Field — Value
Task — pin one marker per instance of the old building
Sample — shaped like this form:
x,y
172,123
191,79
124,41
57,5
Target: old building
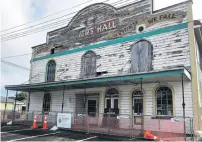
x,y
129,60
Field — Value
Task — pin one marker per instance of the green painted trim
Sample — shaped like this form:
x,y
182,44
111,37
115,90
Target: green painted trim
x,y
116,41
98,80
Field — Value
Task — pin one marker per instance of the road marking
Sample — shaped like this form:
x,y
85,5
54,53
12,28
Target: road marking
x,y
16,130
86,139
33,136
9,126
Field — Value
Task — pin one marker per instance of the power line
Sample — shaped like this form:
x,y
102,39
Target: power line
x,y
44,22
15,65
46,28
62,22
57,13
16,56
8,71
46,16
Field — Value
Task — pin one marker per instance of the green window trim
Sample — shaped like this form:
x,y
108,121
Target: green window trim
x,y
116,41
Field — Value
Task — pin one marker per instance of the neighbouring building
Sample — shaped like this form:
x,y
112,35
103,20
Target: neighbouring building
x,y
9,104
7,108
128,60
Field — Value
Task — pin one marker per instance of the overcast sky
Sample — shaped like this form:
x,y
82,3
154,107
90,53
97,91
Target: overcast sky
x,y
18,12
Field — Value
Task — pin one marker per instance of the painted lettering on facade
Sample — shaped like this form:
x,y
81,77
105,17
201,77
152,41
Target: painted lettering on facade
x,y
108,25
101,22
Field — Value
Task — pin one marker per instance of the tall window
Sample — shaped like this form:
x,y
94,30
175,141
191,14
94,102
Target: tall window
x,y
88,68
141,56
46,102
112,101
164,101
51,68
137,102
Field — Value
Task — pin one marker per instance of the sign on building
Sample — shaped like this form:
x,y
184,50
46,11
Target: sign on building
x,y
176,120
64,120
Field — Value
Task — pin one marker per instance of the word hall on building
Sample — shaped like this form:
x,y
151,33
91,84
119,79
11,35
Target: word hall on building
x,y
130,63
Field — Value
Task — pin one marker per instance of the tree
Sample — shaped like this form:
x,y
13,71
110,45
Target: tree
x,y
20,96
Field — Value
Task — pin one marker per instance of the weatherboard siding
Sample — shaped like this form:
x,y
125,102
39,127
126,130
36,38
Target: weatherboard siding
x,y
170,49
125,98
36,101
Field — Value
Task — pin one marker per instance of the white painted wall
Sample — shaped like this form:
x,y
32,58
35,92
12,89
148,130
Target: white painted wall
x,y
69,99
114,57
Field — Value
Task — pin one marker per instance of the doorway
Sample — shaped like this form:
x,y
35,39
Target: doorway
x,y
137,103
92,106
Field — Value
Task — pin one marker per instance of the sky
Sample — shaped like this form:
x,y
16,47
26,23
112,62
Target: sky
x,y
18,12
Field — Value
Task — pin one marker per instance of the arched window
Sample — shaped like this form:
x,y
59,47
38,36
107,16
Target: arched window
x,y
137,100
141,56
112,101
88,68
46,102
51,68
164,101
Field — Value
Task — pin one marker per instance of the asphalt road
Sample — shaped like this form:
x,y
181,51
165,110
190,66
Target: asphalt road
x,y
24,133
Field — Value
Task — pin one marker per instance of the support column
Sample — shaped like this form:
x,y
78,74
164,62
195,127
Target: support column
x,y
142,117
183,106
63,94
28,103
110,85
15,106
5,105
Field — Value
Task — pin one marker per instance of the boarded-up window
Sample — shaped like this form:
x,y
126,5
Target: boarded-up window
x,y
88,68
51,67
141,56
46,102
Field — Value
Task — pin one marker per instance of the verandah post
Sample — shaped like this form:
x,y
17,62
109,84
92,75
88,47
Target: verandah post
x,y
63,98
183,106
142,117
14,106
28,103
5,106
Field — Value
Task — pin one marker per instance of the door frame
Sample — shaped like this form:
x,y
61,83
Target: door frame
x,y
93,97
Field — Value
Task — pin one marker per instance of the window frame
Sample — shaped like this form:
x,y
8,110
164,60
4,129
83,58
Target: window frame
x,y
112,101
47,71
172,100
141,98
112,97
84,64
45,102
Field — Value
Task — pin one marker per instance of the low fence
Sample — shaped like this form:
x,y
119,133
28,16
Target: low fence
x,y
167,129
7,116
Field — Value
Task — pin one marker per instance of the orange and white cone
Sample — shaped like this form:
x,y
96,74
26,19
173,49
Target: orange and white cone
x,y
34,123
149,136
45,125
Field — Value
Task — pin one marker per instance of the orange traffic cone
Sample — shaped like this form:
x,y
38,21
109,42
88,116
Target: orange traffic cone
x,y
45,125
34,123
149,136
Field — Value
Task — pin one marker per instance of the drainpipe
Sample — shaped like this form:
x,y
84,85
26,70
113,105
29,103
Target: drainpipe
x,y
5,106
183,106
